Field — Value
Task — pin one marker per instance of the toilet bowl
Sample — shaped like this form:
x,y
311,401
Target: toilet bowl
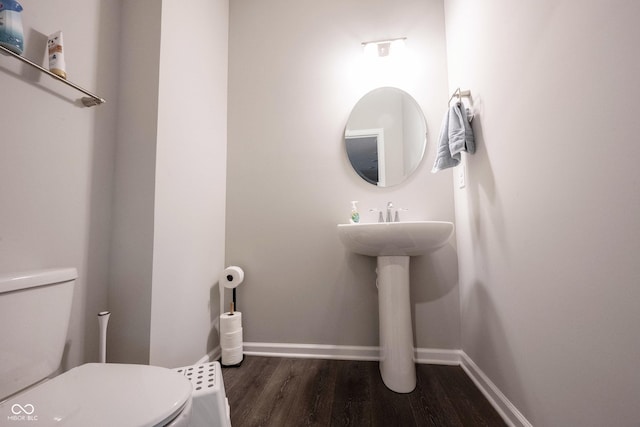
x,y
34,316
97,394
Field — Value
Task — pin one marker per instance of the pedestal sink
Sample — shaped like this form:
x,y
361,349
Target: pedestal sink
x,y
393,243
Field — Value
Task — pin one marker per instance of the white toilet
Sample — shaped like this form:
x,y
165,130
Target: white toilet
x,y
34,316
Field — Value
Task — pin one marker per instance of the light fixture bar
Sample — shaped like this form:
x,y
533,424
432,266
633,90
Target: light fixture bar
x,y
381,48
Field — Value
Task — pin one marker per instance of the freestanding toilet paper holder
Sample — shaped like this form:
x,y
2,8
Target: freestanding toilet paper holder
x,y
231,338
231,322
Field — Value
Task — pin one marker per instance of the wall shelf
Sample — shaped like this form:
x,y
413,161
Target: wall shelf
x,y
88,101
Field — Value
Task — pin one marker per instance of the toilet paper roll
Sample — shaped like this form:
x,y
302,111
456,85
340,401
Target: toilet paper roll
x,y
230,340
230,322
232,277
232,356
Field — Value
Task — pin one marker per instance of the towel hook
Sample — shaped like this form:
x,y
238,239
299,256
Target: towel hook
x,y
460,94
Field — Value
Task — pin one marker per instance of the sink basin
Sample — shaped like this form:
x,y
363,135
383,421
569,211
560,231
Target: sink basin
x,y
410,238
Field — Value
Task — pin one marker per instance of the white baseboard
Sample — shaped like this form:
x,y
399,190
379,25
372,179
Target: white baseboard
x,y
437,356
507,410
311,351
346,352
511,415
212,356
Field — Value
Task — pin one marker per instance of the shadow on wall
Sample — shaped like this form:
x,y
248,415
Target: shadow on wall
x,y
102,161
356,290
487,335
213,340
434,275
481,185
35,50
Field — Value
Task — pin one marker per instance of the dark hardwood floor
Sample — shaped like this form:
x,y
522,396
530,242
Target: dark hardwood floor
x,y
283,392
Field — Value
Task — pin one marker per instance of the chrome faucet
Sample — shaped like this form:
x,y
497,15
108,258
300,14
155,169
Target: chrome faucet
x,y
390,217
397,216
380,217
389,207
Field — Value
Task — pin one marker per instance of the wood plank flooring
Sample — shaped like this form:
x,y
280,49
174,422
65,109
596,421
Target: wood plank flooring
x,y
284,392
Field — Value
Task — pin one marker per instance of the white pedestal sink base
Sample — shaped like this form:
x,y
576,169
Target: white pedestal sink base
x,y
397,365
393,243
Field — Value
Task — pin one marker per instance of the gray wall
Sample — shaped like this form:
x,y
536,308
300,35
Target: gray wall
x,y
131,263
144,173
56,158
169,204
547,227
548,232
295,71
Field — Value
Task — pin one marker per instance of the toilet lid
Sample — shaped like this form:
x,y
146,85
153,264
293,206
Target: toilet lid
x,y
98,395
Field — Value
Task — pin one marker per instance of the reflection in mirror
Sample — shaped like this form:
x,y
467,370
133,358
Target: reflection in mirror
x,y
385,136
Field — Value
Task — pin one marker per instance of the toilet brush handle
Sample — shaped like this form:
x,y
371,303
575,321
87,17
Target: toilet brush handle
x,y
103,320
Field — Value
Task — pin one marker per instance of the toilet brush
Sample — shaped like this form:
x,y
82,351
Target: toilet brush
x,y
103,320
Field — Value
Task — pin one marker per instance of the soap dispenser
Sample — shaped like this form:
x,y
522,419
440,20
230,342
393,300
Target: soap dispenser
x,y
11,32
355,215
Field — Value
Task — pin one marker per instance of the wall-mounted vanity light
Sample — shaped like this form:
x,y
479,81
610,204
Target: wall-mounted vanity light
x,y
383,48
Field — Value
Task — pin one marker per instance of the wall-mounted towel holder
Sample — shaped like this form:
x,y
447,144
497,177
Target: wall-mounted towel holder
x,y
88,101
461,94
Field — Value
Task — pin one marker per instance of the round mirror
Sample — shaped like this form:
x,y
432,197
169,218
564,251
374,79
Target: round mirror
x,y
386,136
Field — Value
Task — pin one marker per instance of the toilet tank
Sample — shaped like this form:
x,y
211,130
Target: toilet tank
x,y
35,307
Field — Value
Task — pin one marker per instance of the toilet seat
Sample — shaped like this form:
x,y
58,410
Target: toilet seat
x,y
108,395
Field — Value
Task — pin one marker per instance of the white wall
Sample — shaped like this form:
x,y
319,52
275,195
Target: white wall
x,y
295,72
56,157
188,255
168,238
548,235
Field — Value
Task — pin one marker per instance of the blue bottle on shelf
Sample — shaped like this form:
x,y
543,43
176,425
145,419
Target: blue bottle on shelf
x,y
11,32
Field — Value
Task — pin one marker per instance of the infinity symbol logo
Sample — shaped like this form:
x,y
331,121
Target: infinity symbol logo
x,y
17,409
